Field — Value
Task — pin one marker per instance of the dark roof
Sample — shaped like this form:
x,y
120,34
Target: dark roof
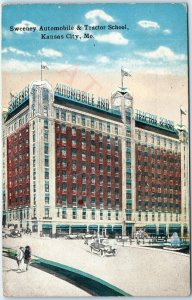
x,y
163,131
17,110
88,109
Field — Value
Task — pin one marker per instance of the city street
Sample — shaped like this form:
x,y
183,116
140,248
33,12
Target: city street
x,y
135,270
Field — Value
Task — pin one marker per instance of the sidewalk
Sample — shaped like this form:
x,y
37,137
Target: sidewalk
x,y
137,270
35,283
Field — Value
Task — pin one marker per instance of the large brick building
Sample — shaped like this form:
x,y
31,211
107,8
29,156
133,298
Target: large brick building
x,y
73,163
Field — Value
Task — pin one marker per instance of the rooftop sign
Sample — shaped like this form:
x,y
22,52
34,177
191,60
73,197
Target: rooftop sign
x,y
154,120
19,99
82,97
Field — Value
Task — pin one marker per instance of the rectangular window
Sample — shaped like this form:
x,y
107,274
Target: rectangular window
x,y
73,118
93,214
46,124
83,120
63,115
46,186
46,162
46,198
108,127
74,213
92,123
46,149
84,213
74,200
46,212
46,174
57,113
64,213
46,136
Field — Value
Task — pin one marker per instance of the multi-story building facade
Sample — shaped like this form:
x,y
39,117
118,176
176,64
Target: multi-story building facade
x,y
74,163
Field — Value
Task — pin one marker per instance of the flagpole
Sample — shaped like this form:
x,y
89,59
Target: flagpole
x,y
181,116
121,78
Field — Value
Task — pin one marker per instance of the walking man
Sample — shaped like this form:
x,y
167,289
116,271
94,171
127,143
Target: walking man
x,y
27,256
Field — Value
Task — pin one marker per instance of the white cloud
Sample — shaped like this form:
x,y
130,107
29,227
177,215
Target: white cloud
x,y
163,53
167,31
102,59
47,52
16,65
16,51
112,38
148,24
97,14
23,24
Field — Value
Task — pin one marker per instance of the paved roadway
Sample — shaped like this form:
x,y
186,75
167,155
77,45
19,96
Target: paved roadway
x,y
137,271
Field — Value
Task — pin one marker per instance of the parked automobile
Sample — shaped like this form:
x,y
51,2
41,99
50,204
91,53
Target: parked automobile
x,y
6,233
15,233
104,246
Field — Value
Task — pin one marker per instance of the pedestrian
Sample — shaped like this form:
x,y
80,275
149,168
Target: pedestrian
x,y
20,258
27,256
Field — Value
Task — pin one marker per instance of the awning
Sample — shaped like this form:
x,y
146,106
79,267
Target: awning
x,y
93,227
78,226
62,226
174,225
162,225
47,226
117,226
150,226
128,225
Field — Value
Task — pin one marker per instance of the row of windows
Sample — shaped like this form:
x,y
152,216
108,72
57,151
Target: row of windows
x,y
18,123
160,217
63,213
63,199
159,141
86,121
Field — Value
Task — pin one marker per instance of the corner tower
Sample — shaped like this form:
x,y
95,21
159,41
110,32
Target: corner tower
x,y
122,101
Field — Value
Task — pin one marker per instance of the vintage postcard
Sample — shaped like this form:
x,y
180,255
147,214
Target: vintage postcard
x,y
95,142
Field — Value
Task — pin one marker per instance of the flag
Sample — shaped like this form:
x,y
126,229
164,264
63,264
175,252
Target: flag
x,y
44,66
124,72
183,111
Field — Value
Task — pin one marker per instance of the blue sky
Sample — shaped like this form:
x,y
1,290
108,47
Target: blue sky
x,y
155,42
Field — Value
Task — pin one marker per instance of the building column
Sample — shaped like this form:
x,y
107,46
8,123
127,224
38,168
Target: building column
x,y
182,230
167,229
39,226
53,229
157,229
133,231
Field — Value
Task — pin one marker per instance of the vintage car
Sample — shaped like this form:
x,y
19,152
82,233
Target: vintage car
x,y
104,246
15,233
